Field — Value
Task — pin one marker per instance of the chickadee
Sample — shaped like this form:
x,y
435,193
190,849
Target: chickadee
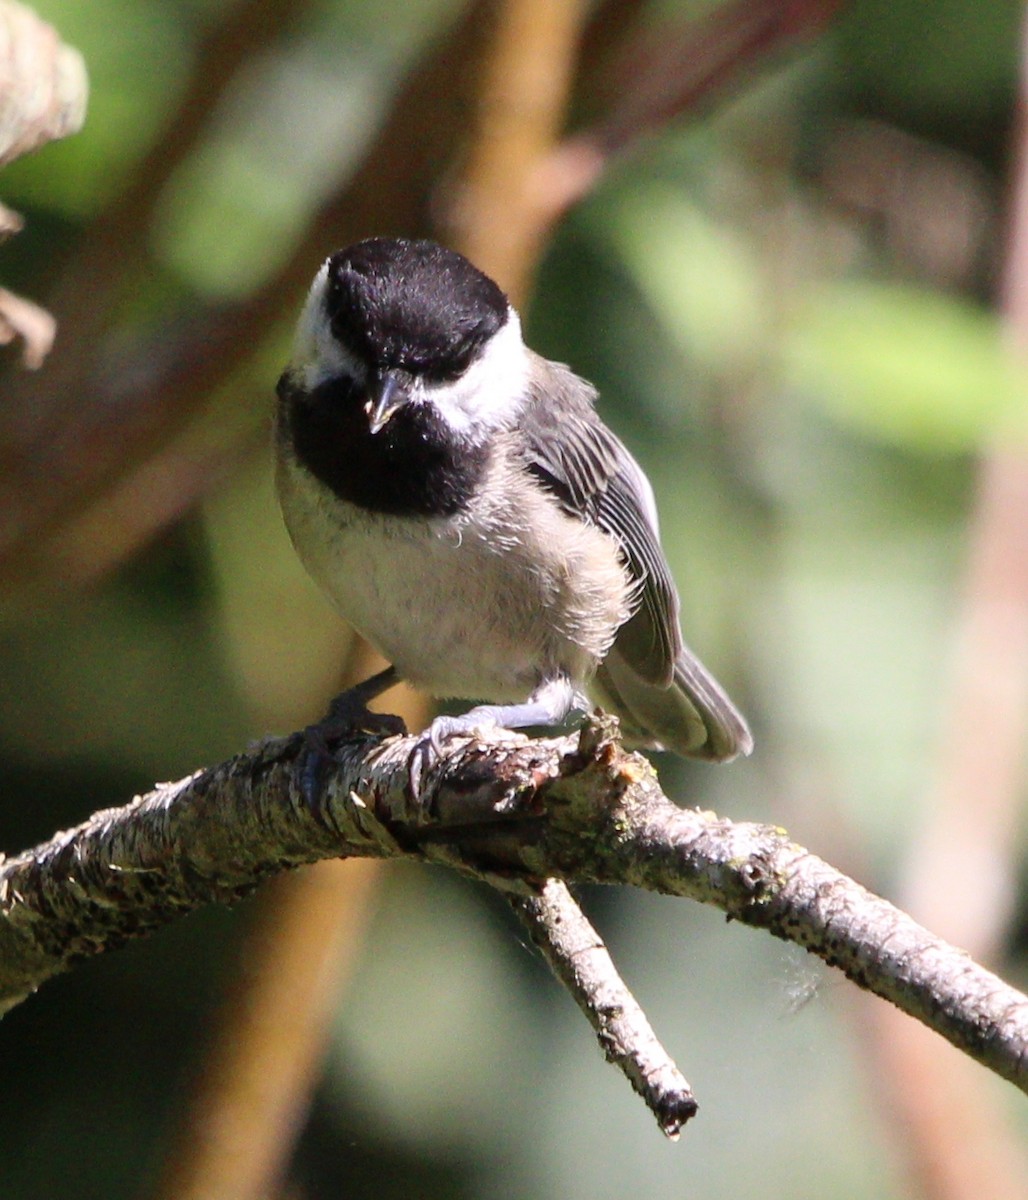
x,y
467,511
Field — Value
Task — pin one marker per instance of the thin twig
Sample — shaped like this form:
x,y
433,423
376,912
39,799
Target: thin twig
x,y
493,219
582,963
666,72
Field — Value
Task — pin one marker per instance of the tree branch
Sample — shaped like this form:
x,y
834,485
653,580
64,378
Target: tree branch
x,y
501,808
582,963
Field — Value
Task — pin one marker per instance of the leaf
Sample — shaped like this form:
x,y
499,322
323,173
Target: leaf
x,y
908,366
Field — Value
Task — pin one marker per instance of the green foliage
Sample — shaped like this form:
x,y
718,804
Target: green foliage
x,y
136,52
695,270
926,371
948,63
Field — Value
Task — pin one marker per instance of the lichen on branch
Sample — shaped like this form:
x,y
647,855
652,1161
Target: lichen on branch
x,y
514,812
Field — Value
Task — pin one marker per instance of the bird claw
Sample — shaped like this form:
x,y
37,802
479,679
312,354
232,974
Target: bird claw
x,y
429,747
347,717
422,758
317,760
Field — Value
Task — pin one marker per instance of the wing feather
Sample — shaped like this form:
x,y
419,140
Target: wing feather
x,y
595,479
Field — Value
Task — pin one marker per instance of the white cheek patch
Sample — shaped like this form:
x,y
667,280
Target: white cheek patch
x,y
491,391
317,354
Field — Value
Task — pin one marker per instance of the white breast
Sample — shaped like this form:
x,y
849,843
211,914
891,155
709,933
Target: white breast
x,y
480,608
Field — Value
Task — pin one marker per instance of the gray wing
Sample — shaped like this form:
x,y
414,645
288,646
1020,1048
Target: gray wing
x,y
594,478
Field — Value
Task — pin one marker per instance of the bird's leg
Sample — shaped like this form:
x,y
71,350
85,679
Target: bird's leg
x,y
549,704
347,715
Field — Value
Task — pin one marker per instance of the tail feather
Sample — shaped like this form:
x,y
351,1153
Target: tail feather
x,y
693,716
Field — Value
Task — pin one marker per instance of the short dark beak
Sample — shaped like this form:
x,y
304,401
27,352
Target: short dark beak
x,y
387,391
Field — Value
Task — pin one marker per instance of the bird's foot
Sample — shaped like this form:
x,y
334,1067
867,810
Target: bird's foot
x,y
549,704
429,747
348,717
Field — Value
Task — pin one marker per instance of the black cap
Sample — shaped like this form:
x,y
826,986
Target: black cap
x,y
414,305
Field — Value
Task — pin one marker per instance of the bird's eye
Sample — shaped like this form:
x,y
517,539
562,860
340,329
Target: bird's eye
x,y
446,366
442,374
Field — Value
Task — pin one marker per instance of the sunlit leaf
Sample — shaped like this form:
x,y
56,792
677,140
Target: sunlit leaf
x,y
697,274
908,366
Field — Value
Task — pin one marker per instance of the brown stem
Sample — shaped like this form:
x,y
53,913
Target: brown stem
x,y
254,1089
526,82
670,71
582,963
251,1098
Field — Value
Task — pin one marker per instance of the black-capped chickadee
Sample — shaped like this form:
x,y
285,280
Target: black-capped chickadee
x,y
467,511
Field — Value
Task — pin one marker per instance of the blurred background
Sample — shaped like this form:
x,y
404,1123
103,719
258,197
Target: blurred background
x,y
777,238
